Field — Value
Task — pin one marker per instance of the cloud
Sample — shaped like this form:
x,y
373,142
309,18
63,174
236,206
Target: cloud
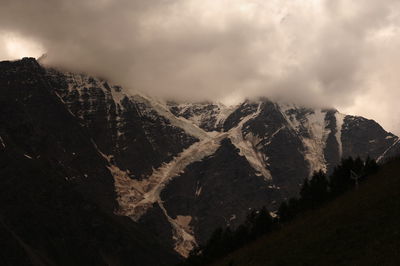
x,y
322,52
14,46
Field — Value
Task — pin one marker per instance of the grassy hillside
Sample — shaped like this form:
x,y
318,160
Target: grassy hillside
x,y
362,227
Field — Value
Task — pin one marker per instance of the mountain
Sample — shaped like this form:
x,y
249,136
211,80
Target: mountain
x,y
358,228
57,196
391,152
177,170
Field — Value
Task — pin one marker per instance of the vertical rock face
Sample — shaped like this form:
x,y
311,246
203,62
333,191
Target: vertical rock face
x,y
37,122
177,170
219,190
208,116
365,137
130,130
279,144
273,135
391,152
57,196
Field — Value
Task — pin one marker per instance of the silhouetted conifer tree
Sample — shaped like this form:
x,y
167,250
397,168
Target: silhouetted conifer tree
x,y
261,224
313,193
319,191
370,167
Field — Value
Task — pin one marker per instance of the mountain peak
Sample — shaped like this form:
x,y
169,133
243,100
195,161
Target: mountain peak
x,y
176,169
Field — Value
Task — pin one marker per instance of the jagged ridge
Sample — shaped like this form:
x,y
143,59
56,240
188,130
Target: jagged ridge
x,y
160,154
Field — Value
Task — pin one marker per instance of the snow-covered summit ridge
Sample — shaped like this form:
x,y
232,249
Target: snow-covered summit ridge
x,y
207,115
82,83
201,120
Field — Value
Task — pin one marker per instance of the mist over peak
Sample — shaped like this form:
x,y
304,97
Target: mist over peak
x,y
330,53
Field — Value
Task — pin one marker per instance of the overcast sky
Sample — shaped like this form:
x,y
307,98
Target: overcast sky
x,y
339,53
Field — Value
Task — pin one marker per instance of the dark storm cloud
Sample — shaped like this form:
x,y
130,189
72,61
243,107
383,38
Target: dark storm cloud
x,y
337,53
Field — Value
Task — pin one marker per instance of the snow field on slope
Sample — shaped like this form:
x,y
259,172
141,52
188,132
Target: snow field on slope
x,y
136,197
179,122
339,126
388,149
317,134
163,175
247,145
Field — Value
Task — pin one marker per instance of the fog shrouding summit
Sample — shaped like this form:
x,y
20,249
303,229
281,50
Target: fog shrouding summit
x,y
332,53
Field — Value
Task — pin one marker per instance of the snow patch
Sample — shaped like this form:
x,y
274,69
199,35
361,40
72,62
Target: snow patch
x,y
339,127
2,143
182,233
179,122
162,176
276,132
224,113
248,145
66,106
209,115
290,118
136,197
27,156
312,131
198,189
81,83
117,94
387,150
127,188
184,221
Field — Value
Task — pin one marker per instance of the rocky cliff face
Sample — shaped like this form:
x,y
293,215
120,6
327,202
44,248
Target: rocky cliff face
x,y
280,144
128,130
177,170
57,195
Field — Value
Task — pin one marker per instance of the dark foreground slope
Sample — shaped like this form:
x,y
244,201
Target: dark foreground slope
x,y
359,228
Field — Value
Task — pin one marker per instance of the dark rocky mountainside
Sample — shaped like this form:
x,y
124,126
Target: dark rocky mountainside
x,y
91,152
57,196
360,227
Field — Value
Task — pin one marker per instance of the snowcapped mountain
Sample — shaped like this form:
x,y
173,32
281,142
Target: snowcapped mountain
x,y
179,170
